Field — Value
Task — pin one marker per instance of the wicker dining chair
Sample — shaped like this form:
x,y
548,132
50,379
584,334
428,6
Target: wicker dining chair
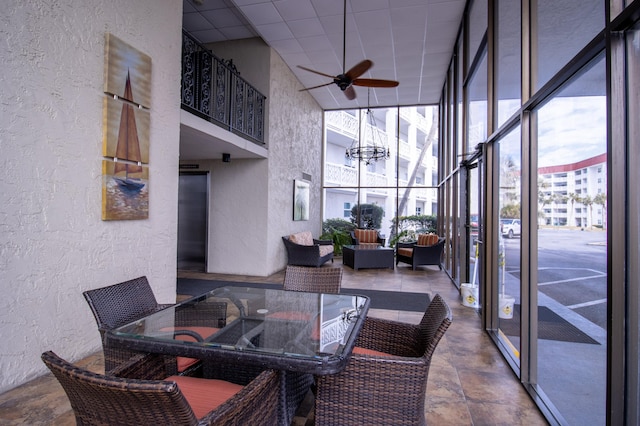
x,y
122,303
142,394
385,381
315,280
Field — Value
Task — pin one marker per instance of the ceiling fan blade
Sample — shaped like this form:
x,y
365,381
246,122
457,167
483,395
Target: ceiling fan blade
x,y
359,69
316,72
372,82
314,87
350,93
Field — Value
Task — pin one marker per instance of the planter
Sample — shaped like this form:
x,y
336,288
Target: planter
x,y
506,303
469,294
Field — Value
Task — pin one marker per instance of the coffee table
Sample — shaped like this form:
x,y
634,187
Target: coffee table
x,y
367,256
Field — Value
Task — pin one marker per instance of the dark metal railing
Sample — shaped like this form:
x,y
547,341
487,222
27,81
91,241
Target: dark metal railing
x,y
214,90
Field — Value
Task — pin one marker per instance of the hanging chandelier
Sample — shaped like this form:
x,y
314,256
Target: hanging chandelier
x,y
370,146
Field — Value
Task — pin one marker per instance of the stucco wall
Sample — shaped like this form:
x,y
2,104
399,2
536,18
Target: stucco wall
x,y
53,243
295,147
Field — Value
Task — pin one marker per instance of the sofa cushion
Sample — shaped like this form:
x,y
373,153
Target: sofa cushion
x,y
366,235
404,251
303,238
427,239
325,249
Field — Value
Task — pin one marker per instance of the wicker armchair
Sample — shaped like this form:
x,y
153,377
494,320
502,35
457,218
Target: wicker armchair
x,y
140,396
415,254
316,280
385,380
121,303
309,252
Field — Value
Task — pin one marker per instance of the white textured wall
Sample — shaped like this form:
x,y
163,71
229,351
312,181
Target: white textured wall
x,y
53,243
295,147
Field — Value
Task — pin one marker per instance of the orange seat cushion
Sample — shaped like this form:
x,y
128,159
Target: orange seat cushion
x,y
182,362
363,351
404,251
205,395
291,315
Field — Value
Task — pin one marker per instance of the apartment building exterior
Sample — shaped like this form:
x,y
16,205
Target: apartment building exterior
x,y
409,172
574,194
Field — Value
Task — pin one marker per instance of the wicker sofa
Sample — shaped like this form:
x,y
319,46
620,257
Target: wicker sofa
x,y
304,250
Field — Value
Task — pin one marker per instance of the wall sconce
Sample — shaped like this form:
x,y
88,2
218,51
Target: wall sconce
x,y
226,158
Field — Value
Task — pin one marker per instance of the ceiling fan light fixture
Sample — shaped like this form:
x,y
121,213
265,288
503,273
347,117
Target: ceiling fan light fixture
x,y
371,146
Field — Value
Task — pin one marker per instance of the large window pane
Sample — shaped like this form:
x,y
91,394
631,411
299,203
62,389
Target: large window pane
x,y
477,26
361,193
509,232
563,29
477,105
509,53
572,248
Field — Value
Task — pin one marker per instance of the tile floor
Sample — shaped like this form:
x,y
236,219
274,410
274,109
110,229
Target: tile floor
x,y
469,381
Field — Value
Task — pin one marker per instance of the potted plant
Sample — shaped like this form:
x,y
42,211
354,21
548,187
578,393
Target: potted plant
x,y
337,230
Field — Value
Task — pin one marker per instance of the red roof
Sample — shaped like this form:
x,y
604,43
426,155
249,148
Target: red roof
x,y
598,159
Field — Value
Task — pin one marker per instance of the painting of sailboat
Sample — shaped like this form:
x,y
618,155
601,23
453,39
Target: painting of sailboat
x,y
121,59
126,124
125,191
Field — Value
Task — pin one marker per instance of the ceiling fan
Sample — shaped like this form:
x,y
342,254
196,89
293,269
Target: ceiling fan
x,y
348,79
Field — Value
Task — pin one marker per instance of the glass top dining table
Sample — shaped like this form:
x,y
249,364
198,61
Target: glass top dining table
x,y
286,330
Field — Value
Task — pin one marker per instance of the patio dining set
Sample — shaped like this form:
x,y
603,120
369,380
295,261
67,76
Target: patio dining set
x,y
246,355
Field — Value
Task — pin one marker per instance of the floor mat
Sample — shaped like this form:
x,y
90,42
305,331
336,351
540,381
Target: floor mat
x,y
551,326
398,301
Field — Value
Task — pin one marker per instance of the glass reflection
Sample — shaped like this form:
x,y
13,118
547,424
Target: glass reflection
x,y
509,247
572,248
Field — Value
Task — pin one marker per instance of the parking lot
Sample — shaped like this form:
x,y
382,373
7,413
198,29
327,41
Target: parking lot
x,y
572,267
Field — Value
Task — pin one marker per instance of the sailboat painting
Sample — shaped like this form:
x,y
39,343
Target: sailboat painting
x,y
126,131
126,124
125,191
124,63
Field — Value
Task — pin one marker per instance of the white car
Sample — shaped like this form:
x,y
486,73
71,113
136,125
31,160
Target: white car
x,y
509,228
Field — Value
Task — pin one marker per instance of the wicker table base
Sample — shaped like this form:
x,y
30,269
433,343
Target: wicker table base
x,y
358,257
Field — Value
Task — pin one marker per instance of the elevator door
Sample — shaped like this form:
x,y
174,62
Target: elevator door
x,y
192,221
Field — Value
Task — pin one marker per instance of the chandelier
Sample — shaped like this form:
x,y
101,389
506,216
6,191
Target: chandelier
x,y
370,146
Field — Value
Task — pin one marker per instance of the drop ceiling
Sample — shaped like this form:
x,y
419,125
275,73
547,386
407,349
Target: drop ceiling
x,y
410,41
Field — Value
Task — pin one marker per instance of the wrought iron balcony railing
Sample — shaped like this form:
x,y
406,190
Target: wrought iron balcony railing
x,y
214,90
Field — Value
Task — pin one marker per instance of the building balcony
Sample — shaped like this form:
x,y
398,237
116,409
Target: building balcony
x,y
212,89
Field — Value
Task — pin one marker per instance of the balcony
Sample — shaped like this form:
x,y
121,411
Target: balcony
x,y
213,90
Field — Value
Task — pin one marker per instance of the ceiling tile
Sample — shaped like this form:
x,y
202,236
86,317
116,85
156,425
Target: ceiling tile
x,y
408,40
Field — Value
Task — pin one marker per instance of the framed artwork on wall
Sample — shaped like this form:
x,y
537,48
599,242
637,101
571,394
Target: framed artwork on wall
x,y
300,200
126,66
126,131
125,191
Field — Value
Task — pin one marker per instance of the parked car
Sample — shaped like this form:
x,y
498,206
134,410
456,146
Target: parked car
x,y
474,225
509,228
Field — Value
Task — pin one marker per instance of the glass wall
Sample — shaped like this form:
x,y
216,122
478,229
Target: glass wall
x,y
371,193
558,158
508,235
572,247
